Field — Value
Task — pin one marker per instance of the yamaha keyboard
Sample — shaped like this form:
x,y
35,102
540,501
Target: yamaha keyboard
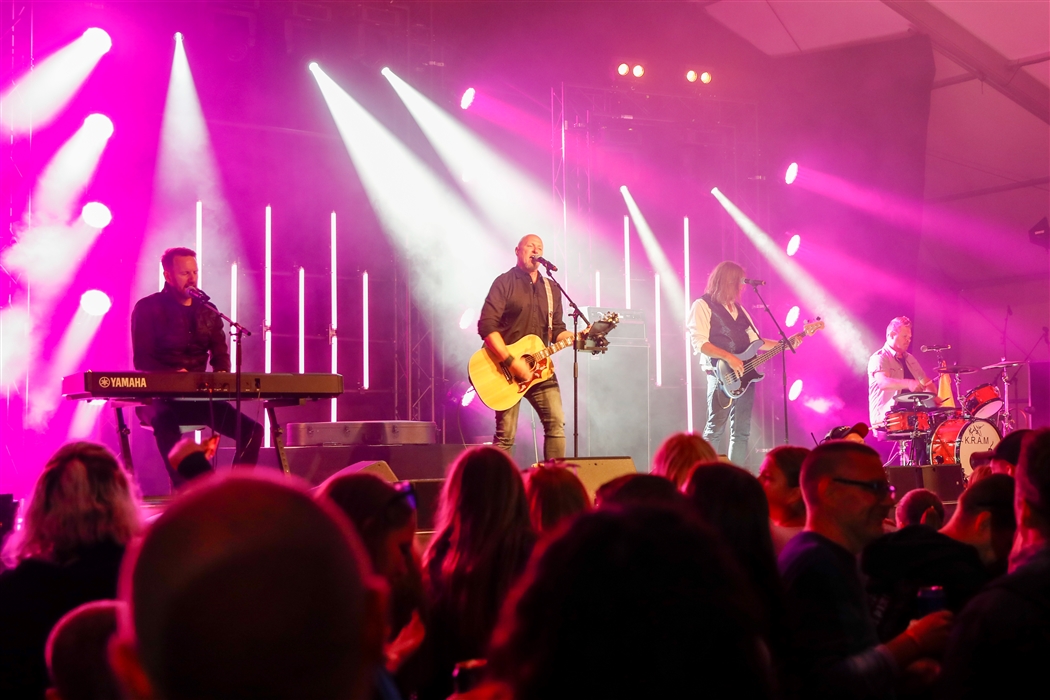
x,y
202,386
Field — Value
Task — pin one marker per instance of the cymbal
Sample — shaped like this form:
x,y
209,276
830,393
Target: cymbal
x,y
1006,363
916,398
958,369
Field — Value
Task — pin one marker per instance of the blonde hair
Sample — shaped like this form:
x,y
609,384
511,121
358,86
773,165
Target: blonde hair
x,y
83,497
724,282
676,456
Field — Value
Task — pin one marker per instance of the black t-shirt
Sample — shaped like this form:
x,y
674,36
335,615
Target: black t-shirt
x,y
167,335
516,307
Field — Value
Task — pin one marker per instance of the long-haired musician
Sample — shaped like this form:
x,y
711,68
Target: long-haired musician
x,y
719,327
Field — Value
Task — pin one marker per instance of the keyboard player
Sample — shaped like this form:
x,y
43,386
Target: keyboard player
x,y
173,332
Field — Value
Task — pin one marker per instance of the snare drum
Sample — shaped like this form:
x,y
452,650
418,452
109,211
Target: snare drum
x,y
983,401
955,440
900,422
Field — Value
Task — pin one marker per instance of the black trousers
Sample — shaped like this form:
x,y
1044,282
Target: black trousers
x,y
220,416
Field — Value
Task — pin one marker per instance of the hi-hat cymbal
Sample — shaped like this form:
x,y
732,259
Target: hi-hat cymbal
x,y
1005,364
958,369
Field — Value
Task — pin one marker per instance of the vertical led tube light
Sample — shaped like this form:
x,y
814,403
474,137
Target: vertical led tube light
x,y
364,328
688,342
233,312
659,359
332,333
627,261
302,320
598,288
200,244
267,311
160,276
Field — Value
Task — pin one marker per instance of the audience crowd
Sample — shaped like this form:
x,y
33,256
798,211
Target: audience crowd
x,y
698,579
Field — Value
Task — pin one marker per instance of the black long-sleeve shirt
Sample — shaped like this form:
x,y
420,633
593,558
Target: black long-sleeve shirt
x,y
516,307
166,335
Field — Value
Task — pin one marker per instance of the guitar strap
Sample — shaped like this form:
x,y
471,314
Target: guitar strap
x,y
550,309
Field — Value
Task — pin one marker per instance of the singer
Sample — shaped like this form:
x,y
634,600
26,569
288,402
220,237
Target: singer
x,y
719,326
520,302
171,331
892,370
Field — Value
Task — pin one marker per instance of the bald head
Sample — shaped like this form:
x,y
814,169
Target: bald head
x,y
529,245
248,588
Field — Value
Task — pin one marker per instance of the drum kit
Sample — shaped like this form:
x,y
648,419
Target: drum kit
x,y
945,430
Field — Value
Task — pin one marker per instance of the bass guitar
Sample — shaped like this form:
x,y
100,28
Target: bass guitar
x,y
734,385
500,391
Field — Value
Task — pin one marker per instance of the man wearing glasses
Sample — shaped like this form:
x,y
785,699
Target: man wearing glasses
x,y
847,499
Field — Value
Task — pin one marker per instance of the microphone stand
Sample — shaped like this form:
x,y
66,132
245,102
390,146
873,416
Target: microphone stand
x,y
783,358
576,316
237,331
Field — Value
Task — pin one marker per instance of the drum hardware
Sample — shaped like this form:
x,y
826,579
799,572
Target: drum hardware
x,y
913,400
1006,421
958,369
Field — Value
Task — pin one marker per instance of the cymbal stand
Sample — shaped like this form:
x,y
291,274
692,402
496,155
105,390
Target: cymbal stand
x,y
1008,422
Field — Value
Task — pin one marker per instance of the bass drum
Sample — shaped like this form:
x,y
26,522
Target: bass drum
x,y
955,440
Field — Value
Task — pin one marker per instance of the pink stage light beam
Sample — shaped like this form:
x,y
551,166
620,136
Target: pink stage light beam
x,y
70,171
39,96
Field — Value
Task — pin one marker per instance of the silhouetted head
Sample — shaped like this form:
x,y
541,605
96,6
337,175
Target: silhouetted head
x,y
555,494
630,603
638,490
83,497
677,455
1032,495
246,587
77,653
920,507
779,475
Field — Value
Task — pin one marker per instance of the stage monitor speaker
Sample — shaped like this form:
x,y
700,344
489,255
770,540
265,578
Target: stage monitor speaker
x,y
595,472
428,495
376,468
945,480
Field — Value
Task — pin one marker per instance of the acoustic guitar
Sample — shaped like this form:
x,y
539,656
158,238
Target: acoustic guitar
x,y
500,391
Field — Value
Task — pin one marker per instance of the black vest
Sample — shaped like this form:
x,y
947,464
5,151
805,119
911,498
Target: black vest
x,y
727,333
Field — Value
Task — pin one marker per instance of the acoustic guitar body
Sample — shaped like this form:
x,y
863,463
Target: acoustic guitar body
x,y
494,385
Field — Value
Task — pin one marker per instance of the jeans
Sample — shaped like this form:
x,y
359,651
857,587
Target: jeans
x,y
738,411
218,415
545,397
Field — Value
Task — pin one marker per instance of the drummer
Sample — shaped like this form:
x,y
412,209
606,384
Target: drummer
x,y
893,370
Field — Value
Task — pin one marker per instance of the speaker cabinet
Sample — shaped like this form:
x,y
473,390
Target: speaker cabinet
x,y
945,480
595,472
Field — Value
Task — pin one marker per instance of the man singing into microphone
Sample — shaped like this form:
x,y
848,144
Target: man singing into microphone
x,y
719,327
173,332
523,302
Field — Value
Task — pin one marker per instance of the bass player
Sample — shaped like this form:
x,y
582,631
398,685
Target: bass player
x,y
522,302
720,328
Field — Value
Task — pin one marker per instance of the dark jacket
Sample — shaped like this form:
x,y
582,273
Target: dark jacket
x,y
166,336
1001,642
33,597
900,563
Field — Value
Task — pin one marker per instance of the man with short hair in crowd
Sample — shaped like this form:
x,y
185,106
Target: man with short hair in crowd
x,y
1001,641
839,655
248,588
970,550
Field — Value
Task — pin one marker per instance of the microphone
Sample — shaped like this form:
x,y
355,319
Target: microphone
x,y
754,283
546,263
935,348
198,294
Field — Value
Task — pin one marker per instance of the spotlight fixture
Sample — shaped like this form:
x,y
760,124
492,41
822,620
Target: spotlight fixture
x,y
96,215
467,99
796,390
313,66
1039,234
705,77
623,69
98,40
95,303
791,174
178,37
691,76
792,317
638,71
793,243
